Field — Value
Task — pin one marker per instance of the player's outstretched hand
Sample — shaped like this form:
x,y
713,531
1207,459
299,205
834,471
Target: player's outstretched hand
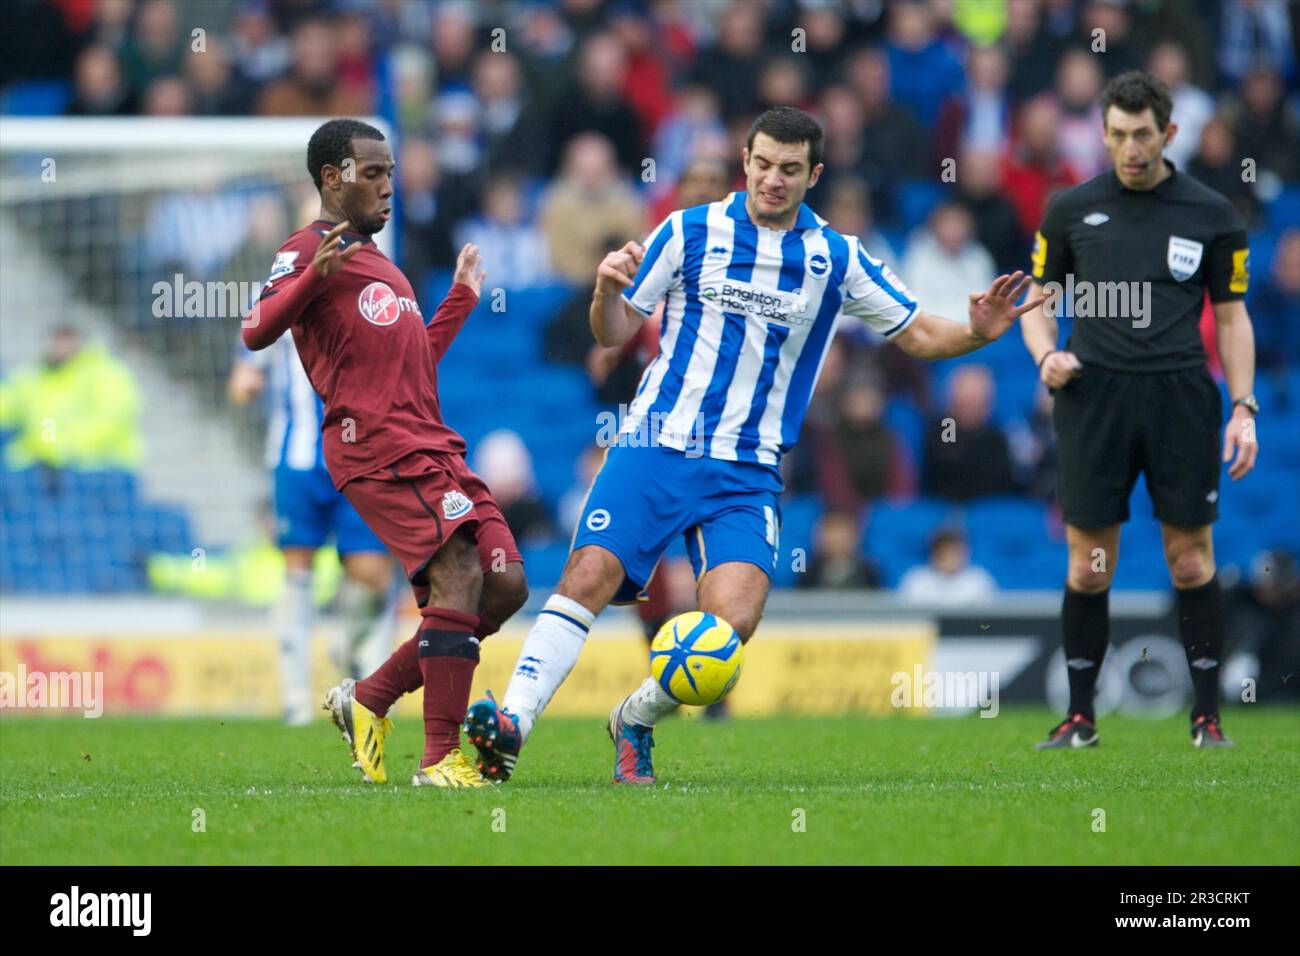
x,y
1239,437
992,312
329,259
1059,367
467,268
618,269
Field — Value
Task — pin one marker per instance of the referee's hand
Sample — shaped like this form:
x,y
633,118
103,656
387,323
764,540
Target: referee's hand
x,y
1239,437
1059,367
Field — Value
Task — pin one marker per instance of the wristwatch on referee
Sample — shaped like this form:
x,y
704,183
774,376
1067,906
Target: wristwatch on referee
x,y
1250,403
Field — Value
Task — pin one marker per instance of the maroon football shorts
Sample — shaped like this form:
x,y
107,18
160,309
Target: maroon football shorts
x,y
416,504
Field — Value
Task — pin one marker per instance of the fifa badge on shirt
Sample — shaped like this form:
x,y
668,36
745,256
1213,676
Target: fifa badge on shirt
x,y
1184,257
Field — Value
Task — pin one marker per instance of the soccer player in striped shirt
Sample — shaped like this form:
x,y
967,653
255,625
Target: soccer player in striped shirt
x,y
753,286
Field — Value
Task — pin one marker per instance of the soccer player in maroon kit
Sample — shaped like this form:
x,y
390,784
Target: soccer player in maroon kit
x,y
363,342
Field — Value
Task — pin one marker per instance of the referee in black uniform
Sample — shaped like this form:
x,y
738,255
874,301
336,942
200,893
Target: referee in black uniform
x,y
1134,252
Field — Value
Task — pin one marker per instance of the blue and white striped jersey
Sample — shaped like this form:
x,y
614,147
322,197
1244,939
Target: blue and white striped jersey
x,y
294,411
748,319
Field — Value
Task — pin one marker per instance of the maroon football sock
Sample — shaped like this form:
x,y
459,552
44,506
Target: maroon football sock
x,y
448,654
398,675
485,627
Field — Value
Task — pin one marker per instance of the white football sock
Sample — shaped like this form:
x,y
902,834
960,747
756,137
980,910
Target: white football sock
x,y
366,637
295,621
647,704
549,653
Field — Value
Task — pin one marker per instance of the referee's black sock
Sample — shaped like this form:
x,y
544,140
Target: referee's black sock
x,y
1085,626
1200,627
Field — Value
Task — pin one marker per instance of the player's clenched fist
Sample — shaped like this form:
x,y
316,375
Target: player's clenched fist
x,y
1059,367
618,269
329,259
467,267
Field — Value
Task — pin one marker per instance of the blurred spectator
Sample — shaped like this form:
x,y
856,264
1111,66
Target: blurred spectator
x,y
731,67
1275,306
867,449
155,47
1032,442
783,81
1121,52
996,228
1263,615
594,103
946,262
1255,34
893,147
1078,132
1033,171
456,118
514,250
848,210
315,85
260,53
978,116
824,32
76,408
646,88
948,578
508,119
704,180
430,206
692,129
1193,107
1266,126
1217,165
98,86
213,88
1032,49
454,43
924,71
588,211
503,462
167,96
966,456
837,563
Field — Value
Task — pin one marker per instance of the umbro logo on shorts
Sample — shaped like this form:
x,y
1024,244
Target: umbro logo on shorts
x,y
455,504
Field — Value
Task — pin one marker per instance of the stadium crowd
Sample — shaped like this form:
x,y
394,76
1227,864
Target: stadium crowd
x,y
549,133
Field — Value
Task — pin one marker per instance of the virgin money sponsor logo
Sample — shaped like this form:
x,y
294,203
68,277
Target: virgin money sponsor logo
x,y
378,304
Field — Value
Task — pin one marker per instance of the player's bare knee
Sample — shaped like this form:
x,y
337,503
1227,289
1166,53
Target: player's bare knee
x,y
1088,577
505,592
591,577
1190,567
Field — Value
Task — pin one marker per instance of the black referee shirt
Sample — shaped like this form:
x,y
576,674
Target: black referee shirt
x,y
1166,246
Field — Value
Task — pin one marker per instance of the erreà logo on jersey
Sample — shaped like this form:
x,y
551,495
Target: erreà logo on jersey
x,y
378,304
455,504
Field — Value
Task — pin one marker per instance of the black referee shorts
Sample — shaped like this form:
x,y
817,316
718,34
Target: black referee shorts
x,y
1112,425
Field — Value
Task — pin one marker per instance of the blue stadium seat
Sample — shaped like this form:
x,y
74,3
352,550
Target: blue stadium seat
x,y
799,517
36,98
897,533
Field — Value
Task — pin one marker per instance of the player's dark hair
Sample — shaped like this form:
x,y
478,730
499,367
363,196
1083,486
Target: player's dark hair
x,y
786,124
332,143
1133,92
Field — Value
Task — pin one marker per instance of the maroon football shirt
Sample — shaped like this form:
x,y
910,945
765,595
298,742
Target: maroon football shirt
x,y
365,348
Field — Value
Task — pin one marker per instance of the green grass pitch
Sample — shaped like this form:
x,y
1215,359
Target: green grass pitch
x,y
871,790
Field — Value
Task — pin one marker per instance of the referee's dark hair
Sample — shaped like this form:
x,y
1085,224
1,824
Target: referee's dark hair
x,y
787,124
1133,92
332,143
